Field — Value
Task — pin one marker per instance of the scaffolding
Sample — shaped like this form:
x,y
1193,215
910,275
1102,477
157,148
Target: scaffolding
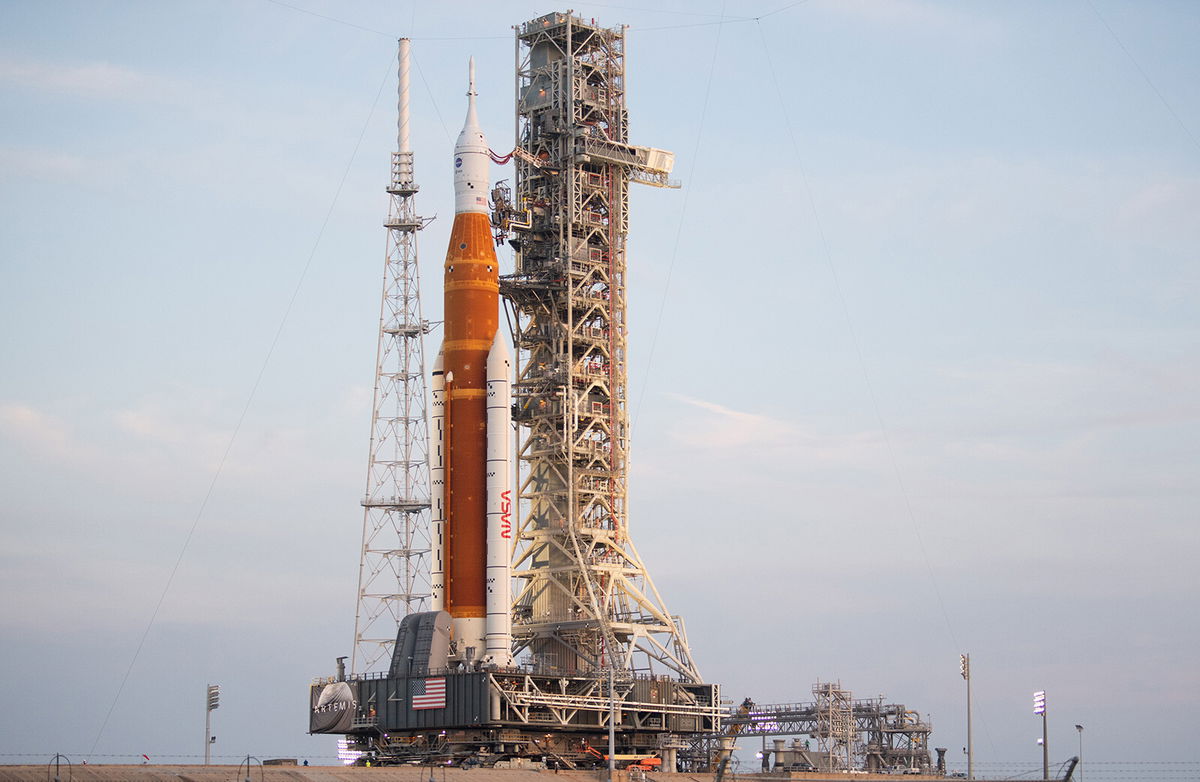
x,y
882,737
393,578
834,730
586,603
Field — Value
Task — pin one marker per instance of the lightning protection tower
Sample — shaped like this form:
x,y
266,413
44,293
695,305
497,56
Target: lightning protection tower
x,y
587,602
393,578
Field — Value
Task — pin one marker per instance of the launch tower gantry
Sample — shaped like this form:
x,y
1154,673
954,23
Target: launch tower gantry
x,y
393,578
586,602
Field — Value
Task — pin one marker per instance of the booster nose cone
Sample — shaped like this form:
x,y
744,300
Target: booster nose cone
x,y
471,160
499,362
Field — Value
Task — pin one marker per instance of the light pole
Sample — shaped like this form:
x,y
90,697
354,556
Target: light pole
x,y
964,667
213,700
1080,729
1039,707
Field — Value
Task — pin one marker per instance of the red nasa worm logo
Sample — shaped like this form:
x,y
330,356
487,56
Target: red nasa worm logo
x,y
505,519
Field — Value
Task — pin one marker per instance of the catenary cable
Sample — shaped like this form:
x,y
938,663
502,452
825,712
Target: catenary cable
x,y
1187,131
854,334
662,307
664,11
242,417
384,33
725,20
883,429
686,193
364,28
432,97
330,18
862,363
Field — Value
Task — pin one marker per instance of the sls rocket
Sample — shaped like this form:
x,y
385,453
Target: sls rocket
x,y
470,426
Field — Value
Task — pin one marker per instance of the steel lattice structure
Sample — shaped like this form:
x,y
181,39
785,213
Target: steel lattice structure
x,y
883,737
834,730
393,575
587,602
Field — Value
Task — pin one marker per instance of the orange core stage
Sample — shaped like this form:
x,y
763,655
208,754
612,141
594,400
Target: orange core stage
x,y
471,318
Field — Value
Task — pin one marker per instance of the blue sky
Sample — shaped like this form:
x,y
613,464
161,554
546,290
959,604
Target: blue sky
x,y
915,352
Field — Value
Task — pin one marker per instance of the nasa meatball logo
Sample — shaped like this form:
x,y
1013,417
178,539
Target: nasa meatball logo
x,y
458,162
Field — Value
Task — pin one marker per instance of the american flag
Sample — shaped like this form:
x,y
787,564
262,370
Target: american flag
x,y
428,693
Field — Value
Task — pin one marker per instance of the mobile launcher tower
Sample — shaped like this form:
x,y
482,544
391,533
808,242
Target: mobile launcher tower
x,y
586,666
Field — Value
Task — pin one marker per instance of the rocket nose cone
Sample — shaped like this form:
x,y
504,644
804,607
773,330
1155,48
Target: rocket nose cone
x,y
439,363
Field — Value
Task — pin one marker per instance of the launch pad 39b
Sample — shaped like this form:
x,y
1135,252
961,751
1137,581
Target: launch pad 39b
x,y
514,471
505,617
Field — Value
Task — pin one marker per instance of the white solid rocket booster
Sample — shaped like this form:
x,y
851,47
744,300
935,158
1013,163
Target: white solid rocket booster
x,y
499,505
437,486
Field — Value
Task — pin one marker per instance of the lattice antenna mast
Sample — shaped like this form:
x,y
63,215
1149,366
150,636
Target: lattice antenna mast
x,y
587,602
393,577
